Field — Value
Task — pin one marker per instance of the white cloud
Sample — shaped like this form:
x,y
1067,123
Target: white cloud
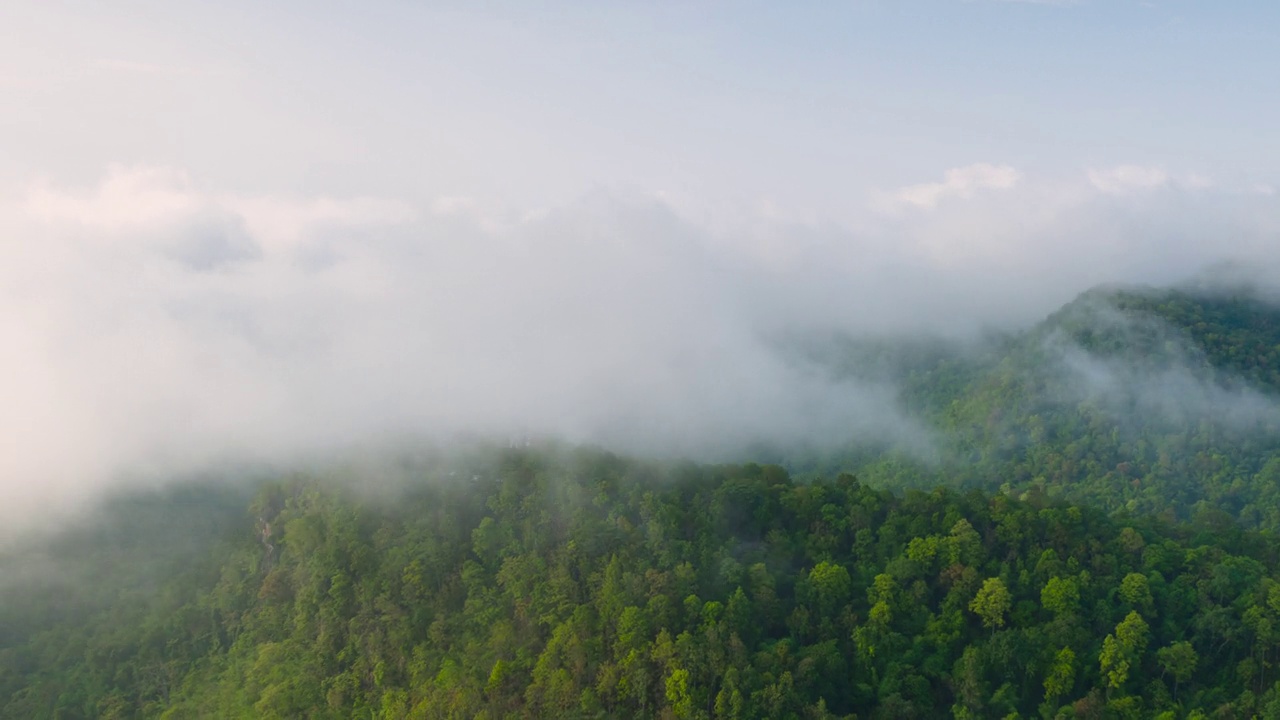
x,y
962,182
1127,178
285,222
128,198
1130,179
154,323
1197,181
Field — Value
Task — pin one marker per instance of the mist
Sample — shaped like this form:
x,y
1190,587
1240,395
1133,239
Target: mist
x,y
1161,380
237,236
158,327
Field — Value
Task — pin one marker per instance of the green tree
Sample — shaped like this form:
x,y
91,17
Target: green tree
x,y
1060,596
1135,589
678,695
1122,649
1061,676
830,584
992,602
1179,660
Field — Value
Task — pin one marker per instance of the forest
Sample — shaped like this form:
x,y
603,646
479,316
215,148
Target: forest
x,y
1095,539
1159,401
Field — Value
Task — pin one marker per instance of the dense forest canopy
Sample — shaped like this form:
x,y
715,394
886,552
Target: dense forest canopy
x,y
1093,538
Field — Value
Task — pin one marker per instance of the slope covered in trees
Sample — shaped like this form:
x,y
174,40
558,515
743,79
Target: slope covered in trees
x,y
1152,401
560,583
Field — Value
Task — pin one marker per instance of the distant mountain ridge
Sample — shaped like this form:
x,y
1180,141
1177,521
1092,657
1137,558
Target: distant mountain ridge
x,y
1161,400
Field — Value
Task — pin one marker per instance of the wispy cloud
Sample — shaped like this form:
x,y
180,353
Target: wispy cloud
x,y
1130,179
962,183
1127,178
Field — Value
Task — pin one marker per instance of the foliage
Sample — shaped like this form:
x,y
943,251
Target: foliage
x,y
574,583
1161,402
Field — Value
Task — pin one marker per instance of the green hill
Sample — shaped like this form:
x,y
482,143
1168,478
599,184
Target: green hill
x,y
551,583
1151,401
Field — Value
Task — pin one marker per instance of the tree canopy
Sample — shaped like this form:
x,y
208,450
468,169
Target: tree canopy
x,y
555,583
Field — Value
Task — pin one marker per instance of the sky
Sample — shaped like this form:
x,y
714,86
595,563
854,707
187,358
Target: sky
x,y
259,230
807,107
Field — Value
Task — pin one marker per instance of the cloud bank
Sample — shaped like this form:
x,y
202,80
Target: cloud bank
x,y
156,325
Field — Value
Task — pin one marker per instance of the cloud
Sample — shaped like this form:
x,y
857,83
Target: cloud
x,y
128,198
1160,382
1127,178
155,325
159,327
1123,180
962,183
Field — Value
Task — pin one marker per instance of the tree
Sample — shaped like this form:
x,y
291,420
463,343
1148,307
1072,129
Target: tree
x,y
830,584
1122,649
965,543
1179,660
1060,596
1135,589
678,696
1114,662
992,602
1062,675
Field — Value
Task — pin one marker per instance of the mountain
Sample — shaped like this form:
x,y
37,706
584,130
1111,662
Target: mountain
x,y
1092,537
1160,401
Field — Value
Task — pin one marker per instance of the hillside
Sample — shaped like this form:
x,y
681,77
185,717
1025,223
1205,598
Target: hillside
x,y
551,583
1094,537
1150,401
